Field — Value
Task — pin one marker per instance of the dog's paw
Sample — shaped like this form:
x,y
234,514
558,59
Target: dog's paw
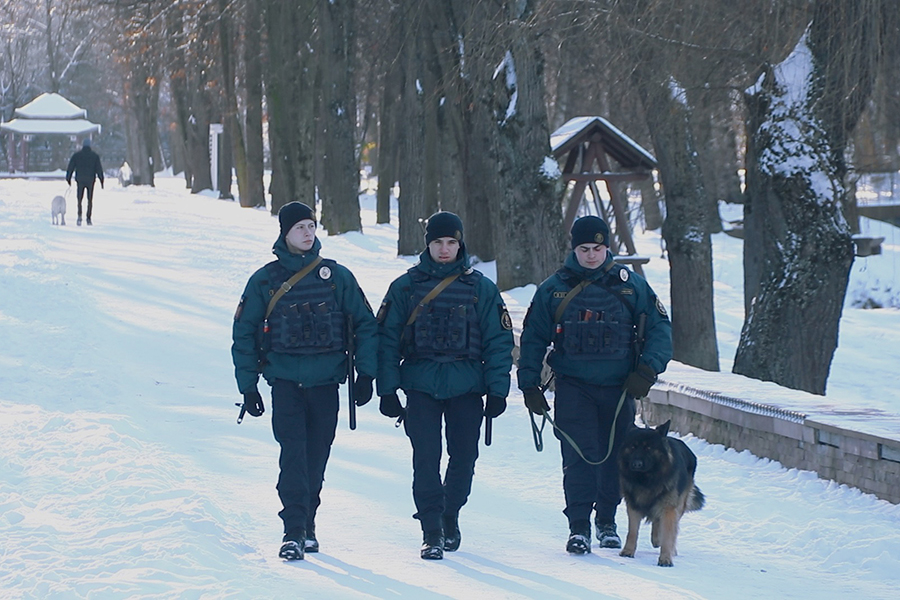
x,y
627,553
665,562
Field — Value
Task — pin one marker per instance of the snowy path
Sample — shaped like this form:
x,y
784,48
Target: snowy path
x,y
123,473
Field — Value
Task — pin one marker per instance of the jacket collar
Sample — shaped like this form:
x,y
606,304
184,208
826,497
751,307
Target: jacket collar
x,y
571,265
294,262
428,265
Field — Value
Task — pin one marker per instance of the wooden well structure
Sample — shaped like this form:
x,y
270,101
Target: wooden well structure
x,y
596,152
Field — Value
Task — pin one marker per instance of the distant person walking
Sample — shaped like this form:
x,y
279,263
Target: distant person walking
x,y
86,165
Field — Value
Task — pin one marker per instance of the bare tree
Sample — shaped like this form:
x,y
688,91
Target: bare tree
x,y
290,81
339,187
798,251
253,193
528,218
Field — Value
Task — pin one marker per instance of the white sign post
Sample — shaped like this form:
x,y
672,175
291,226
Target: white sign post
x,y
215,130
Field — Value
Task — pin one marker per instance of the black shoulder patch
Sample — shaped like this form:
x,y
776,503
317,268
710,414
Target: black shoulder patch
x,y
240,309
505,319
661,308
382,311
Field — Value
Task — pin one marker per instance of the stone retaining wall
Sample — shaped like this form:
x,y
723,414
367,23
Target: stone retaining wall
x,y
864,461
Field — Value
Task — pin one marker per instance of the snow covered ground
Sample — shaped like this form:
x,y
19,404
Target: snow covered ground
x,y
123,473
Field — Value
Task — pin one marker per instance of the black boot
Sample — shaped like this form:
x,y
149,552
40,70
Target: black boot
x,y
452,537
579,537
312,544
433,545
607,536
292,545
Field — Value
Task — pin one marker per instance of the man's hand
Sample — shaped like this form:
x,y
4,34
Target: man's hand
x,y
390,406
362,389
639,381
253,402
495,406
535,401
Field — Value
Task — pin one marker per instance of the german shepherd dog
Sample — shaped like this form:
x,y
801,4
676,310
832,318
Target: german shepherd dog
x,y
656,473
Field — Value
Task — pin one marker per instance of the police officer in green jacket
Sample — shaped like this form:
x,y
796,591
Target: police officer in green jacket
x,y
291,326
590,311
445,339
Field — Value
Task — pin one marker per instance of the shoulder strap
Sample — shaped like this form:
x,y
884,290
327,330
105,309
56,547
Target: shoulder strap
x,y
440,287
287,285
572,293
578,289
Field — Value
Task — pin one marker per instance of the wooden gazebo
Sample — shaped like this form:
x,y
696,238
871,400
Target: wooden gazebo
x,y
596,151
46,115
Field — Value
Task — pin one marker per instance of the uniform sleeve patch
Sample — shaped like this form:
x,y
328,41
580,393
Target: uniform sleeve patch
x,y
240,309
505,319
382,311
661,308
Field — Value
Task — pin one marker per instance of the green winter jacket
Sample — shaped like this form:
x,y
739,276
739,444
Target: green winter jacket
x,y
442,380
540,328
307,370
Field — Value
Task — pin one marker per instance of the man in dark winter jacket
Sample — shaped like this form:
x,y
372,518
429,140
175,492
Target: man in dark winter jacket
x,y
590,311
86,165
445,339
291,326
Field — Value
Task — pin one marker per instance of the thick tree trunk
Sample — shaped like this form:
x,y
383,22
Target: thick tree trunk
x,y
797,247
234,135
528,209
141,99
186,84
253,193
414,204
687,239
388,132
339,188
290,101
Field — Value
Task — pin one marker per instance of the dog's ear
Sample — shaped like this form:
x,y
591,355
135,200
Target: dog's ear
x,y
663,429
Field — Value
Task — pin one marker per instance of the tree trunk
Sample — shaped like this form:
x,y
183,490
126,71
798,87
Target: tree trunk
x,y
528,209
233,142
339,188
290,101
414,205
687,240
797,249
388,153
187,81
253,193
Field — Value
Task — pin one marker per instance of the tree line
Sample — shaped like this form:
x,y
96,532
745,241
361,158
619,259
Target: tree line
x,y
454,100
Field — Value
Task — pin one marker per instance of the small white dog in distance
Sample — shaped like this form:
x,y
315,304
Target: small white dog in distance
x,y
58,210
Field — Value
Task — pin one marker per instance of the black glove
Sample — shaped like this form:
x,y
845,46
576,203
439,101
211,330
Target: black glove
x,y
639,381
390,406
535,401
253,404
495,406
362,389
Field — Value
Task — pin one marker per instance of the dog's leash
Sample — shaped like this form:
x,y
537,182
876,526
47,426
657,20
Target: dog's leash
x,y
537,433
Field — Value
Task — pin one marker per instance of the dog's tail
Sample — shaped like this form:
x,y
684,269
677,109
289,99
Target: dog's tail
x,y
696,500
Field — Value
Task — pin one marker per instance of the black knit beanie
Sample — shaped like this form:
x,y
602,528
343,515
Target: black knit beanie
x,y
443,224
590,230
292,213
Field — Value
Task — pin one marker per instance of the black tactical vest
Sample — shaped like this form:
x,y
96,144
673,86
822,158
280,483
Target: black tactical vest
x,y
306,320
448,328
598,322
